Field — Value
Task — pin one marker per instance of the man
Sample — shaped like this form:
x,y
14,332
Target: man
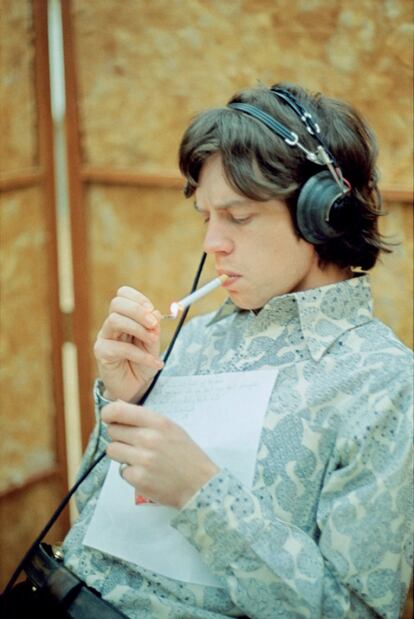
x,y
324,529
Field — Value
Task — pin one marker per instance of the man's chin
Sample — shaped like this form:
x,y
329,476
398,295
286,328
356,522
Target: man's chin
x,y
241,302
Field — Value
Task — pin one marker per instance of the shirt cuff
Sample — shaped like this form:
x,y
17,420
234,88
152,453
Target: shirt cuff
x,y
100,402
98,395
221,520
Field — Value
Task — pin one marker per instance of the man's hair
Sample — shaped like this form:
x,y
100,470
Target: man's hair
x,y
260,165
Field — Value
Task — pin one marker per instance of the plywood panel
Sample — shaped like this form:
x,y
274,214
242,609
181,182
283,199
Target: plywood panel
x,y
26,388
145,68
392,278
22,517
18,123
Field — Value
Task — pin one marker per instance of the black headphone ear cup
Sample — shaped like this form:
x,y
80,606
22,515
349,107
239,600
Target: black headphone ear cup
x,y
320,206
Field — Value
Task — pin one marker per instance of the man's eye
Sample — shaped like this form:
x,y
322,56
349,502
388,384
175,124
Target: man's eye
x,y
241,220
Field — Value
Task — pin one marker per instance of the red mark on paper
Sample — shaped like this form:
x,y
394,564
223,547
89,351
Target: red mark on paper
x,y
141,500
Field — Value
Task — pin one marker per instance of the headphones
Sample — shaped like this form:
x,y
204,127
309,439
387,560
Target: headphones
x,y
325,198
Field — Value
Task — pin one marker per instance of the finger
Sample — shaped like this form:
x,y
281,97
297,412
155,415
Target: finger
x,y
134,473
118,325
124,434
157,314
144,438
139,463
112,351
122,453
133,310
132,415
134,295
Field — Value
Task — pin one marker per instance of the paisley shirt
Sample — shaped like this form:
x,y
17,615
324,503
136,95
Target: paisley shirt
x,y
325,531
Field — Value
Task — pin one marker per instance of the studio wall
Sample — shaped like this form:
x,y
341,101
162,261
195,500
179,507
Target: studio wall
x,y
33,457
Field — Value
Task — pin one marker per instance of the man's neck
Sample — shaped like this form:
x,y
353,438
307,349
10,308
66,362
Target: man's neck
x,y
324,276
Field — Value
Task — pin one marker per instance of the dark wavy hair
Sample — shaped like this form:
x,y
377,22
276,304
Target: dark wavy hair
x,y
260,165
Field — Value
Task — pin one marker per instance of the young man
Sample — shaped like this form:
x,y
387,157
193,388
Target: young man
x,y
285,185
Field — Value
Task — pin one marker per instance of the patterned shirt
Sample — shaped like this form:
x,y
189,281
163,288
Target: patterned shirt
x,y
326,529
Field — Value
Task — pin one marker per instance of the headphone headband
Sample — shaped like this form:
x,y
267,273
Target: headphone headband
x,y
320,156
289,137
277,127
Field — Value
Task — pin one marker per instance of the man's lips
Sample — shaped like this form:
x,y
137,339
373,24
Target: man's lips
x,y
231,278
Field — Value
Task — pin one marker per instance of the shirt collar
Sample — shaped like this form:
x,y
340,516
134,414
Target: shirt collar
x,y
324,313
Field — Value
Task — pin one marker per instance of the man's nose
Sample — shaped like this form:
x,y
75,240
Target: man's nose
x,y
216,240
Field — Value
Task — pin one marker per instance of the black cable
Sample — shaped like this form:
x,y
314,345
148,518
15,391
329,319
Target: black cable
x,y
72,491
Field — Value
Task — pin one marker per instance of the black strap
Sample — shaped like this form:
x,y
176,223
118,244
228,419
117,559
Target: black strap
x,y
273,124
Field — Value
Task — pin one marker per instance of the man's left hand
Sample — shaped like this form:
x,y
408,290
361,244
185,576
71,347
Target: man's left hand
x,y
164,463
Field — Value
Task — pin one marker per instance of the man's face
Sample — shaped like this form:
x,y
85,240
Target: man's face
x,y
253,242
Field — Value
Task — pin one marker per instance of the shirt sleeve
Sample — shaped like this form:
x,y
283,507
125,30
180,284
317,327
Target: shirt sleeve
x,y
359,562
97,444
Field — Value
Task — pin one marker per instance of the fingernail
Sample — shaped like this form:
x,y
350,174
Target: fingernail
x,y
148,306
150,321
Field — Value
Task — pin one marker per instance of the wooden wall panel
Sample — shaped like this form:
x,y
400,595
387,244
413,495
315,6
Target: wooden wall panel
x,y
22,517
18,123
26,381
144,68
392,277
32,460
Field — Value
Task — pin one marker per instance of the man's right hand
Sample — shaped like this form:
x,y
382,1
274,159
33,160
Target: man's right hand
x,y
128,345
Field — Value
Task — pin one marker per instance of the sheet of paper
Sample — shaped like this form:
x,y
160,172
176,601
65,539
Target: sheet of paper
x,y
224,414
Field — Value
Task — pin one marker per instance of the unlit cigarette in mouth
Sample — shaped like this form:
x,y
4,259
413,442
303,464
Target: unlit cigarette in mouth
x,y
179,306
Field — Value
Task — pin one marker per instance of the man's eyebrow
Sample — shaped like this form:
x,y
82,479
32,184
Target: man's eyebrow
x,y
228,204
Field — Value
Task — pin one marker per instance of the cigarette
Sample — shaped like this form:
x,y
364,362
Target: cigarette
x,y
179,306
